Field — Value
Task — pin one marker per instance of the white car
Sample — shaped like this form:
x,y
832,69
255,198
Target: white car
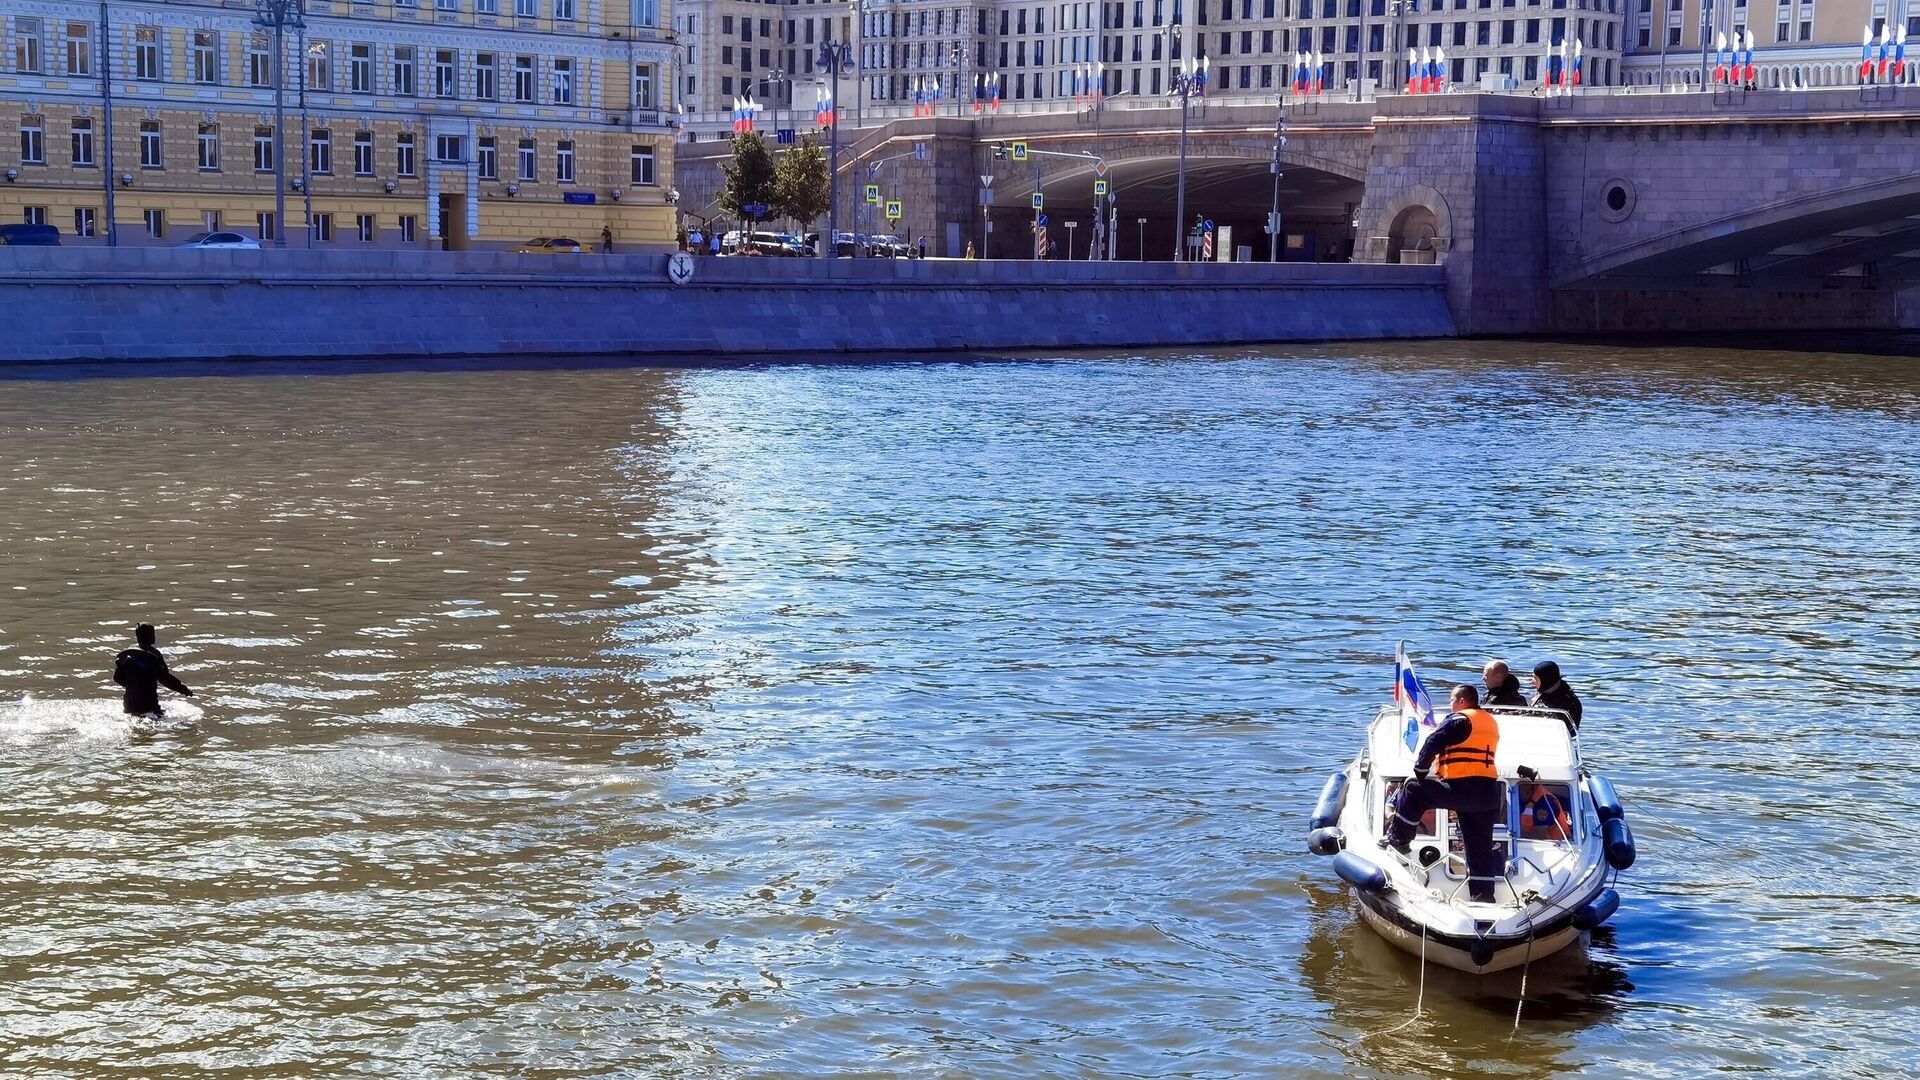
x,y
231,240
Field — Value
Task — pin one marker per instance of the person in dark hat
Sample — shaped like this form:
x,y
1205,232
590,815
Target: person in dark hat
x,y
1552,692
142,671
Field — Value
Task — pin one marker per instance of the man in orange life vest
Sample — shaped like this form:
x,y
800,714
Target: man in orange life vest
x,y
1460,753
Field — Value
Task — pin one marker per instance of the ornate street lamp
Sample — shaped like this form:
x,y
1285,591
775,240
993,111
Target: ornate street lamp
x,y
279,15
835,57
1189,80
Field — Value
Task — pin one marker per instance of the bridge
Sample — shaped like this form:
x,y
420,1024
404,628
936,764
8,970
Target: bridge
x,y
1608,210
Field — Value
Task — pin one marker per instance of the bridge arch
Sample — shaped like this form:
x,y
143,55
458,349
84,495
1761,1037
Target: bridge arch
x,y
1416,219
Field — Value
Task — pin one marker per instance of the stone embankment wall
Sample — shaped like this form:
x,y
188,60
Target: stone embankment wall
x,y
69,304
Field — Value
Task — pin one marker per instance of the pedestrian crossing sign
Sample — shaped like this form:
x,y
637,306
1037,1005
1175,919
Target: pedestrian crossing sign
x,y
873,194
1099,188
1019,151
893,210
1039,201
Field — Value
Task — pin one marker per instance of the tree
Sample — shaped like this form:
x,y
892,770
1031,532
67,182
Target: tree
x,y
750,177
801,184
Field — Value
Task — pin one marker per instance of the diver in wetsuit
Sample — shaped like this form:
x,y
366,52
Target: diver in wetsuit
x,y
143,671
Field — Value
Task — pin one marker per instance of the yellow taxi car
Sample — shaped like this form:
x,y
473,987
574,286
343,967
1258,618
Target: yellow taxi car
x,y
550,245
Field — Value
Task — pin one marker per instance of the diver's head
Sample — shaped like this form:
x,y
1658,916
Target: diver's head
x,y
143,634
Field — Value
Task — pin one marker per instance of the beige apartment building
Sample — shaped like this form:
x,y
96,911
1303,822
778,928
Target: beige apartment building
x,y
407,123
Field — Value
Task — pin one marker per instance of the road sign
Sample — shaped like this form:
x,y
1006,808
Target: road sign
x,y
986,179
920,151
893,210
1100,167
785,136
986,196
873,194
1208,225
1040,222
1019,151
578,197
1099,188
754,210
1039,201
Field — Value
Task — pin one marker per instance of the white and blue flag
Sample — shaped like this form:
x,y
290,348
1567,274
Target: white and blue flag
x,y
1416,708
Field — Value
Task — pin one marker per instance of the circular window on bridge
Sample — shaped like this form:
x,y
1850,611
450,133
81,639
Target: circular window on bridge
x,y
1616,200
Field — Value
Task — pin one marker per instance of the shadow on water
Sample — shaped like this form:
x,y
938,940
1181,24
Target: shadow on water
x,y
1466,1024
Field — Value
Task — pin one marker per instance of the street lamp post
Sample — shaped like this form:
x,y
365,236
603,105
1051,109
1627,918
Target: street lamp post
x,y
1189,79
277,15
835,56
106,115
1273,218
959,55
306,141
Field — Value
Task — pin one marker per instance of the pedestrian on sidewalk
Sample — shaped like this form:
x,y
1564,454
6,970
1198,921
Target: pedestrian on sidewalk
x,y
606,239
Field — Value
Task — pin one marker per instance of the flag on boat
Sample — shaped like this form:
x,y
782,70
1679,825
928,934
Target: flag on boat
x,y
1416,708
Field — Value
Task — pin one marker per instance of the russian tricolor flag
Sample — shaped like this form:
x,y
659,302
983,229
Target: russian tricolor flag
x,y
1720,58
822,107
1866,53
1410,694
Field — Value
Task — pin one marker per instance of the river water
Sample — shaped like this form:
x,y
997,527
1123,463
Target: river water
x,y
938,719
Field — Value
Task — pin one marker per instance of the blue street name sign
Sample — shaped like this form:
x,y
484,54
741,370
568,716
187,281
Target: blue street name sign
x,y
785,136
578,197
758,209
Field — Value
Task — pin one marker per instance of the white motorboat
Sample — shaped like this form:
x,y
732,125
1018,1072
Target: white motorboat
x,y
1562,842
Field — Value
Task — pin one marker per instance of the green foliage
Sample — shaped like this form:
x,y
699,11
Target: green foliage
x,y
750,176
801,184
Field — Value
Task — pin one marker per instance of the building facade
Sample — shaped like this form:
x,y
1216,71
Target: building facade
x,y
1798,44
403,123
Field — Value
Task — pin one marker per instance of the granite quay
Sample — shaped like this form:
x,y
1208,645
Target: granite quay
x,y
156,303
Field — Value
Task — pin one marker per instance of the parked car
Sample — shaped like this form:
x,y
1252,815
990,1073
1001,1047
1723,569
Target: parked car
x,y
550,245
29,236
232,241
845,244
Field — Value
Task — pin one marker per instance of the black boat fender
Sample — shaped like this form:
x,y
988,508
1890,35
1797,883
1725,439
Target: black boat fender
x,y
1618,840
1598,910
1358,872
1327,841
1333,799
1605,802
1481,951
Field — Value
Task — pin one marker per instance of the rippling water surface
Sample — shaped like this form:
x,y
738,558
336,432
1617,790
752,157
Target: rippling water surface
x,y
948,719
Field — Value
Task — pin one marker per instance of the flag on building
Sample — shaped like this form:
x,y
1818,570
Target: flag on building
x,y
1866,53
1439,69
1579,48
1899,52
1886,49
1416,78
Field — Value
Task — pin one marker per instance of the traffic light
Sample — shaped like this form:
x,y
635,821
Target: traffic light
x,y
999,152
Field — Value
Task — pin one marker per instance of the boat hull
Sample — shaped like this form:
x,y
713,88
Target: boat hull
x,y
1456,953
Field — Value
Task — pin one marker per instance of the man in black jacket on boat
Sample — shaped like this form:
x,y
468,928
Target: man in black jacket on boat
x,y
143,671
1552,692
1503,686
1461,752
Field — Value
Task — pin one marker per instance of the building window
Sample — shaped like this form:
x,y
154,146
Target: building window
x,y
1806,32
563,82
259,61
263,149
266,225
643,165
84,222
146,53
323,227
206,58
563,9
363,153
449,148
563,163
488,152
446,5
34,215
403,154
409,228
486,76
403,70
320,151
156,224
360,68
363,223
208,141
150,152
210,220
526,9
486,7
26,46
526,160
79,48
647,13
319,66
83,142
33,142
445,84
643,76
523,78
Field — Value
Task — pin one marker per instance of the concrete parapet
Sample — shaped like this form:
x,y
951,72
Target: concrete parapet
x,y
159,303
